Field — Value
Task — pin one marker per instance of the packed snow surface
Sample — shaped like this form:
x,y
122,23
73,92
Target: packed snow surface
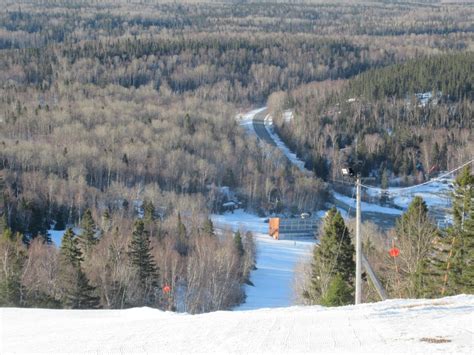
x,y
393,326
276,260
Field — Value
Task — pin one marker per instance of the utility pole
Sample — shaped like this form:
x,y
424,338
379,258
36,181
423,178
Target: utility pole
x,y
358,286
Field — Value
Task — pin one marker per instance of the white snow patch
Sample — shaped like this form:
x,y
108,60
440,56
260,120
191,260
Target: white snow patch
x,y
394,326
435,194
56,236
288,116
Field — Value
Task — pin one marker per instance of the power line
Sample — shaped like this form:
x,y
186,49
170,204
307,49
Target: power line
x,y
398,189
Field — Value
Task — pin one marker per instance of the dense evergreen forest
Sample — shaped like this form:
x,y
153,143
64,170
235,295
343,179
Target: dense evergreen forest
x,y
407,120
114,113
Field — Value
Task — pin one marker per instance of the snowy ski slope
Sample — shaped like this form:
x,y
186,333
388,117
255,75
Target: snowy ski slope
x,y
394,326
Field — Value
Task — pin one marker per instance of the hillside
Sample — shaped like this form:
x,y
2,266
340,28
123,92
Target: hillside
x,y
395,326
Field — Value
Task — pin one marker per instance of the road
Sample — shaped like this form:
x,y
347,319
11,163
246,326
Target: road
x,y
383,220
259,127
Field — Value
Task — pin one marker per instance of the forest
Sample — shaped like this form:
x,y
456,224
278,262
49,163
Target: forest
x,y
114,113
379,122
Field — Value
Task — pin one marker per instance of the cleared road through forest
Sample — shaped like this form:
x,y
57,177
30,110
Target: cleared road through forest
x,y
383,220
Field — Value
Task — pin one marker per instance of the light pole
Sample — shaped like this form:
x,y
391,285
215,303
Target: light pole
x,y
358,285
358,246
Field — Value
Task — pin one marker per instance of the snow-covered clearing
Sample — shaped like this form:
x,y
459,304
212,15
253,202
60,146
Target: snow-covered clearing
x,y
435,194
394,326
276,260
366,207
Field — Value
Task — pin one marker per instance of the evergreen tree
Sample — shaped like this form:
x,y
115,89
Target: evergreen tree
x,y
60,221
3,214
238,243
384,181
149,217
416,234
77,293
333,256
208,228
87,237
142,260
38,225
13,253
339,293
182,240
459,265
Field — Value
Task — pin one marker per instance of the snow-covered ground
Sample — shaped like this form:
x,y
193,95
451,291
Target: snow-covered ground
x,y
394,326
276,260
435,194
56,236
366,207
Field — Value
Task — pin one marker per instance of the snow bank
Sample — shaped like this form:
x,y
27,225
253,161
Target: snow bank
x,y
394,326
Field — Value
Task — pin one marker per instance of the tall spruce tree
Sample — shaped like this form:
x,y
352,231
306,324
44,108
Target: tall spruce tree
x,y
208,228
182,239
459,265
149,217
144,264
416,234
88,236
333,266
77,293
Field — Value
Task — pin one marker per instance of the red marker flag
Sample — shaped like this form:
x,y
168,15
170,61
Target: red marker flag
x,y
394,252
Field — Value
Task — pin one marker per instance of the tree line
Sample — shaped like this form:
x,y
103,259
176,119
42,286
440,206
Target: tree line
x,y
108,262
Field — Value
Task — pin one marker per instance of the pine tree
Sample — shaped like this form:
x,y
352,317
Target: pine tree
x,y
238,243
208,228
338,294
77,293
149,217
459,265
416,234
333,256
142,260
182,240
3,214
87,237
13,253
